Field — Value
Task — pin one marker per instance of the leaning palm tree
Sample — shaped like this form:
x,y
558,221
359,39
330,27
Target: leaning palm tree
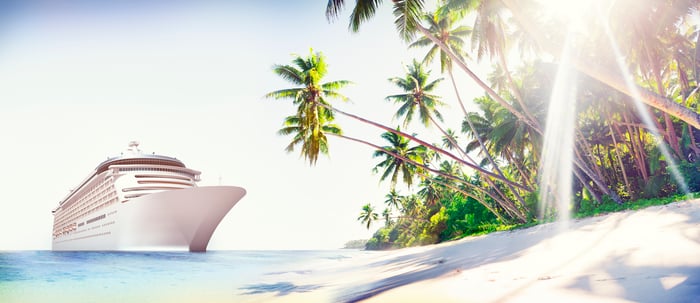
x,y
367,216
393,166
601,72
408,13
308,95
444,25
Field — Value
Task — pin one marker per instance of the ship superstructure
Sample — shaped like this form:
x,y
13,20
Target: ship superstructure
x,y
140,201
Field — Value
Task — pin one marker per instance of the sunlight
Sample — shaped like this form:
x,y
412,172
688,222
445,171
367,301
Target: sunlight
x,y
641,108
558,148
574,13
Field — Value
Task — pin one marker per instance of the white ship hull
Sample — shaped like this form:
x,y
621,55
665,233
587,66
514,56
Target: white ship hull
x,y
180,219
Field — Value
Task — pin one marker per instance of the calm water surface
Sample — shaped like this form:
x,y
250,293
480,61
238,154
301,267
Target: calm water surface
x,y
46,276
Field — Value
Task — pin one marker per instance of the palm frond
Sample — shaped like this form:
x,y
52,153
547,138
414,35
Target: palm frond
x,y
288,73
407,15
333,9
363,11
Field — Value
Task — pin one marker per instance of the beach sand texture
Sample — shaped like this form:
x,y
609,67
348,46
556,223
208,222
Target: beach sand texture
x,y
649,255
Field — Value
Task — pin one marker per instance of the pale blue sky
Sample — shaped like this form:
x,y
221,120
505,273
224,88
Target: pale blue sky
x,y
80,79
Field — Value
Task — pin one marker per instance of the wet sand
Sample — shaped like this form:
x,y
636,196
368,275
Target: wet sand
x,y
649,255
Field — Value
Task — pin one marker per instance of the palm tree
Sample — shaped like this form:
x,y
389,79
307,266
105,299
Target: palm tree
x,y
311,118
386,214
308,140
406,12
367,216
449,141
394,166
443,24
417,95
489,38
393,199
601,72
431,192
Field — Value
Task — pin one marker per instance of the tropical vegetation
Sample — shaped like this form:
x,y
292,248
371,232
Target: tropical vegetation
x,y
635,103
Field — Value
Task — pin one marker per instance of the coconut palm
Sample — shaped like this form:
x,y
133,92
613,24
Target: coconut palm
x,y
449,141
441,24
394,166
308,94
368,216
601,72
444,25
386,214
431,192
309,141
406,12
417,95
393,199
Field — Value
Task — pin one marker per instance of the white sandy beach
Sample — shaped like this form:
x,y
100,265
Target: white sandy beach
x,y
650,255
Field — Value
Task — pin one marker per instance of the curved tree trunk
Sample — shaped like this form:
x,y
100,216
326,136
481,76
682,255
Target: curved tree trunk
x,y
512,211
496,97
584,181
482,145
603,187
515,90
426,144
638,149
619,160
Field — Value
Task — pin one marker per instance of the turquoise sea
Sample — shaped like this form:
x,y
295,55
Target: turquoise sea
x,y
233,276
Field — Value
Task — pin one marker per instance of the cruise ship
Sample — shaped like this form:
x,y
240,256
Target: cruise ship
x,y
137,202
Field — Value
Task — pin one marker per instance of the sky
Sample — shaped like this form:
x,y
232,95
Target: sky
x,y
80,79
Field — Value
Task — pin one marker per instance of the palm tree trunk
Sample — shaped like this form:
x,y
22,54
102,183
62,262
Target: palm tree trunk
x,y
473,196
619,159
465,155
526,177
481,144
589,152
670,130
426,144
505,104
638,149
476,78
583,181
578,161
515,90
692,145
521,218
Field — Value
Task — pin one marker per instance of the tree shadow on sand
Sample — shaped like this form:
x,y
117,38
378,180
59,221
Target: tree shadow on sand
x,y
455,257
281,288
643,284
639,283
653,283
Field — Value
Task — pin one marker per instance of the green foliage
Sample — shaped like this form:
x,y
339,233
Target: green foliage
x,y
312,120
355,244
617,154
465,216
588,209
690,172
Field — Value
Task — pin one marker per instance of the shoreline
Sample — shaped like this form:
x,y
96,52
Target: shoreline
x,y
646,255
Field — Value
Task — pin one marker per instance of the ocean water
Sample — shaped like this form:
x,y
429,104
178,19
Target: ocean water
x,y
231,276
